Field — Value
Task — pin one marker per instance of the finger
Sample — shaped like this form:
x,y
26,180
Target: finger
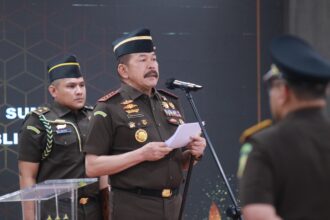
x,y
195,154
162,145
165,149
195,138
196,145
200,142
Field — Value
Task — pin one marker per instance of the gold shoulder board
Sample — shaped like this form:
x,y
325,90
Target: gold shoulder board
x,y
108,96
254,129
41,110
165,92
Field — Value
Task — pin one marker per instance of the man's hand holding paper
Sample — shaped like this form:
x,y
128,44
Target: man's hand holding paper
x,y
182,135
197,146
188,135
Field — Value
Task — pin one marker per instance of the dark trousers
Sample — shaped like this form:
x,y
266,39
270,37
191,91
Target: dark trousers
x,y
131,206
90,211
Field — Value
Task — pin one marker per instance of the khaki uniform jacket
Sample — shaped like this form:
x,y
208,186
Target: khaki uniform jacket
x,y
126,120
65,159
289,166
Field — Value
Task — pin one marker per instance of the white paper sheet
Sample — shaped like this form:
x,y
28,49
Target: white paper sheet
x,y
182,135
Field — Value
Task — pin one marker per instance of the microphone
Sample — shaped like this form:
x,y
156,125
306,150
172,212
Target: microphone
x,y
173,84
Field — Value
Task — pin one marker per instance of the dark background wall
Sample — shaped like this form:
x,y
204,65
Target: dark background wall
x,y
310,20
221,44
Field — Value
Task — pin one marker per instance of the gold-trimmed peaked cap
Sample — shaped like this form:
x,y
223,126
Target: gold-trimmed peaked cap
x,y
138,41
296,61
65,67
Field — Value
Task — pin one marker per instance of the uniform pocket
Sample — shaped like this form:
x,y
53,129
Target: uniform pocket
x,y
65,139
65,148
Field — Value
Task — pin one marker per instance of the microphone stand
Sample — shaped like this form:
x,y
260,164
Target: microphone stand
x,y
233,211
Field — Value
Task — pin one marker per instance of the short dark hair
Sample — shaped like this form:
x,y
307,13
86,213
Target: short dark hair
x,y
123,59
308,90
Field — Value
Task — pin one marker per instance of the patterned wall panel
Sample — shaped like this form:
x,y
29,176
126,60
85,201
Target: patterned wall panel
x,y
210,42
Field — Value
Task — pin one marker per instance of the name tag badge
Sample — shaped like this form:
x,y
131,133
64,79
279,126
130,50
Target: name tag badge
x,y
63,131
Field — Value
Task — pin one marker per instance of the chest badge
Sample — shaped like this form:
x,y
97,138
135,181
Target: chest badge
x,y
63,131
60,126
131,124
165,104
173,121
171,105
130,111
141,135
130,106
144,122
126,102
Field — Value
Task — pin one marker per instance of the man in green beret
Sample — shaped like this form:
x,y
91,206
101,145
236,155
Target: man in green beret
x,y
287,165
51,143
127,134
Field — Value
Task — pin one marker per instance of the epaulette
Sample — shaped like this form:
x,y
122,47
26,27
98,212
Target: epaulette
x,y
167,93
89,107
108,96
254,129
41,110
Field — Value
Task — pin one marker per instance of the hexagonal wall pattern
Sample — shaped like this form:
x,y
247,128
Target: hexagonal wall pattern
x,y
14,34
2,71
12,180
31,34
15,66
191,39
19,82
8,50
2,94
2,158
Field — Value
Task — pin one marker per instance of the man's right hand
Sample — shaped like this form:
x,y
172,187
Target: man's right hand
x,y
112,164
155,150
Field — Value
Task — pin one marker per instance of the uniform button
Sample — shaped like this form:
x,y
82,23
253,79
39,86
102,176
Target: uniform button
x,y
158,124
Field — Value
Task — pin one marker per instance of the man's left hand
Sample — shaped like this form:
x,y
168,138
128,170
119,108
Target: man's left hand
x,y
197,146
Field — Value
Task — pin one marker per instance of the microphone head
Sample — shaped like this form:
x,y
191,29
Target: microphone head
x,y
169,83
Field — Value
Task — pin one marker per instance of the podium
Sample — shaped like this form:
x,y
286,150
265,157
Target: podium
x,y
53,199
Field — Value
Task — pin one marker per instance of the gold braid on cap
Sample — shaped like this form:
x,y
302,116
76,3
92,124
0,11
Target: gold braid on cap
x,y
131,39
64,64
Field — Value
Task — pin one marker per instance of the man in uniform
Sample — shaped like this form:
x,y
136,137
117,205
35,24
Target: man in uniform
x,y
127,134
287,171
51,141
